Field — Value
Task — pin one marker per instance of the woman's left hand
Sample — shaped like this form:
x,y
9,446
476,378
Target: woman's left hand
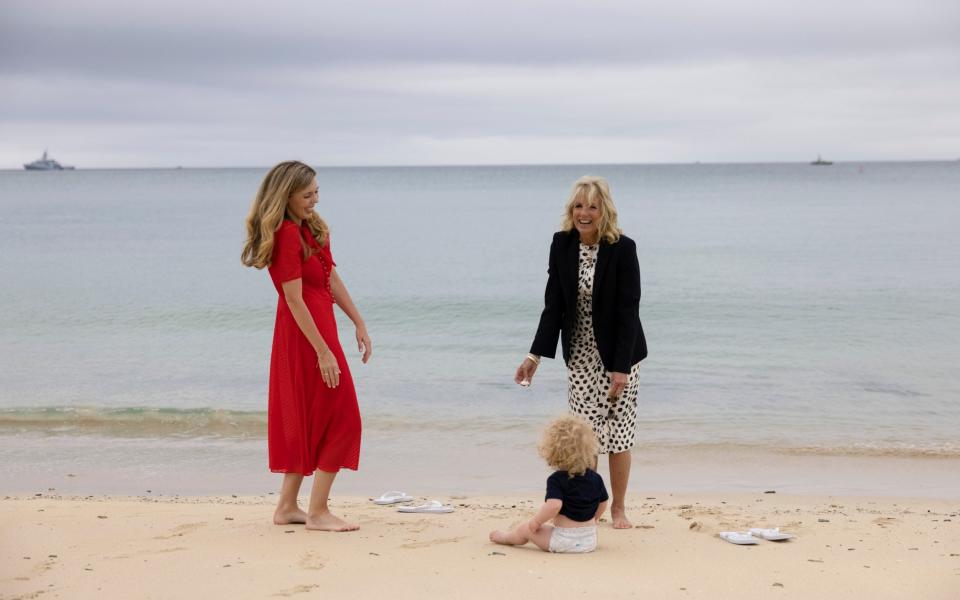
x,y
364,344
618,381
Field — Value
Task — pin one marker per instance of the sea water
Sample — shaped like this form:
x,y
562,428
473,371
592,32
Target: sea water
x,y
790,310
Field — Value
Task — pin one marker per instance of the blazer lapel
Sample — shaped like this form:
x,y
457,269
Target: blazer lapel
x,y
603,259
573,262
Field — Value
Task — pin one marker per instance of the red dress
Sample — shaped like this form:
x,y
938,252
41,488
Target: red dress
x,y
309,425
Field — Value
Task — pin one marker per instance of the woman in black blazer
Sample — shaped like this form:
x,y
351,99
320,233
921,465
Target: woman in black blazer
x,y
592,304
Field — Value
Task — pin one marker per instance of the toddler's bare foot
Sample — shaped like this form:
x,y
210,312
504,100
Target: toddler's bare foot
x,y
327,521
499,537
289,517
620,520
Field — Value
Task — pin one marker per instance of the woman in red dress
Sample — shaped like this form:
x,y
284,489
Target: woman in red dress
x,y
313,421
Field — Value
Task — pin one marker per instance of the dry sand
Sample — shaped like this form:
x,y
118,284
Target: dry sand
x,y
226,547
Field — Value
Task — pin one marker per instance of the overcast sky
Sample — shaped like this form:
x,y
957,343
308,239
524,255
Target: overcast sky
x,y
236,83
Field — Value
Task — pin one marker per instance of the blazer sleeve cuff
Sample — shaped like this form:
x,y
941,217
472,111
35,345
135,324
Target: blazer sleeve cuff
x,y
543,352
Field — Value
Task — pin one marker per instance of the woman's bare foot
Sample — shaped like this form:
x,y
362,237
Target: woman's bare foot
x,y
289,517
620,520
327,521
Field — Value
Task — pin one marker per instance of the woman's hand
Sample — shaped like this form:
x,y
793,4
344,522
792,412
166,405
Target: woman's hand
x,y
364,345
329,369
618,381
525,371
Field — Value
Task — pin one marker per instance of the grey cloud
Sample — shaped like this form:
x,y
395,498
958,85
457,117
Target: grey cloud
x,y
180,39
386,82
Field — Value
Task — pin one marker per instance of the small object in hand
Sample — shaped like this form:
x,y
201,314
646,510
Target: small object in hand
x,y
525,383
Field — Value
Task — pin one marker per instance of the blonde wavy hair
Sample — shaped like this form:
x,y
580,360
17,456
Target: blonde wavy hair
x,y
270,207
569,444
589,188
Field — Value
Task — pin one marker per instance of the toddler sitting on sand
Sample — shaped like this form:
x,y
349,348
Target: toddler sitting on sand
x,y
576,496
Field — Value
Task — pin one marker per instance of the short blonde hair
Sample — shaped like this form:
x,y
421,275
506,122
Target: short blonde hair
x,y
569,444
589,188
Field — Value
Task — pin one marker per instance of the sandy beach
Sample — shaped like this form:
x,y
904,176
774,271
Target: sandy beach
x,y
226,547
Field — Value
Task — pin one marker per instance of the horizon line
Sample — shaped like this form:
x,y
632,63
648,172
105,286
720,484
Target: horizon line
x,y
492,165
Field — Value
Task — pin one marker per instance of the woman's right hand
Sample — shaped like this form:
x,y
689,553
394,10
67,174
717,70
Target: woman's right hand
x,y
525,372
329,369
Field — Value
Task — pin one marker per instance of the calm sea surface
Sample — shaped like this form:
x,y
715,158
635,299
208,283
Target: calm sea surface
x,y
788,308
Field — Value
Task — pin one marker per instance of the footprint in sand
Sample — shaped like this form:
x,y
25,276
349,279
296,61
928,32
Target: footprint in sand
x,y
426,544
145,553
300,589
181,530
312,561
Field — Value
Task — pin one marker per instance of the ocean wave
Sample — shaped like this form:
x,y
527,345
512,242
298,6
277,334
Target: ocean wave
x,y
144,422
135,422
946,450
206,422
866,450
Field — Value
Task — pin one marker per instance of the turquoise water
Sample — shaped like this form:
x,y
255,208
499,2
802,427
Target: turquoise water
x,y
815,309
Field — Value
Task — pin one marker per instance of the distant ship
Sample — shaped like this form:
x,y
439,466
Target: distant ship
x,y
45,164
822,162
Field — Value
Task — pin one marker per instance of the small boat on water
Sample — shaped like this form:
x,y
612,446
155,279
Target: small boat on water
x,y
821,162
45,164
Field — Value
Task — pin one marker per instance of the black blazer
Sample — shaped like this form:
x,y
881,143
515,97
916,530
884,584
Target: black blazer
x,y
616,302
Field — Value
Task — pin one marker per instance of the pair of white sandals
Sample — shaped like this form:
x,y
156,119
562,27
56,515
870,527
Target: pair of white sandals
x,y
751,536
398,497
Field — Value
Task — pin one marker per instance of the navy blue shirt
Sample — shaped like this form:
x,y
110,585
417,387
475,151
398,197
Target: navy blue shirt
x,y
581,494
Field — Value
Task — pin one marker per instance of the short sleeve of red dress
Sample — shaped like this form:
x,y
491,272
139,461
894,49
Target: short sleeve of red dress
x,y
287,262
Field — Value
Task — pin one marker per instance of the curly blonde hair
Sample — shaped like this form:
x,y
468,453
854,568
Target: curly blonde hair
x,y
569,444
269,209
585,189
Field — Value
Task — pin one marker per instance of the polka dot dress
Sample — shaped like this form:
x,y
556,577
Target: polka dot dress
x,y
614,419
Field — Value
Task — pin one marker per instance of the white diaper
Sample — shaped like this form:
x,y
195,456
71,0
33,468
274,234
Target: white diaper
x,y
570,540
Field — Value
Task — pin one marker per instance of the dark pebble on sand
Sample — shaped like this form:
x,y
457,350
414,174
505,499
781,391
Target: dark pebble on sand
x,y
823,520
816,560
770,492
51,556
225,566
289,531
228,518
777,585
101,516
497,554
913,548
374,554
38,494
